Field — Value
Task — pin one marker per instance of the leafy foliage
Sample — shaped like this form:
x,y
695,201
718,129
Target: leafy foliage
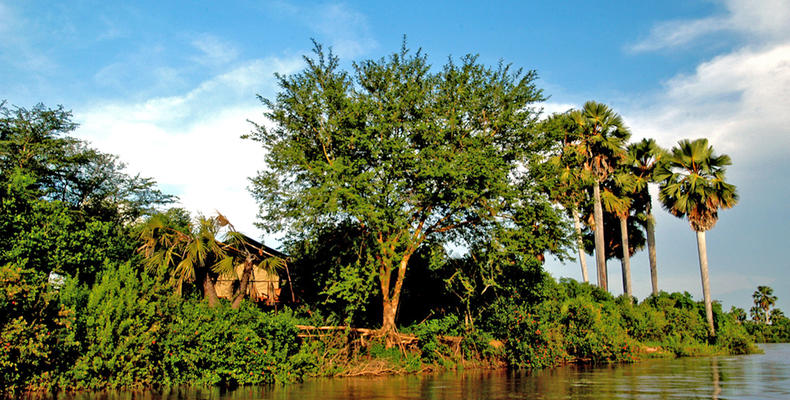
x,y
693,185
136,334
582,322
405,154
37,334
64,207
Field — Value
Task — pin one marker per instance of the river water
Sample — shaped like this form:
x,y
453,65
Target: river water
x,y
757,376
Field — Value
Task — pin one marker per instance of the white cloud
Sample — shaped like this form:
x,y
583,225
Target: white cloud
x,y
763,21
677,33
346,30
738,100
214,51
192,141
550,108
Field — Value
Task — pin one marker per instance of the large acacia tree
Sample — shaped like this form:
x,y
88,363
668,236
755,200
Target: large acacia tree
x,y
407,154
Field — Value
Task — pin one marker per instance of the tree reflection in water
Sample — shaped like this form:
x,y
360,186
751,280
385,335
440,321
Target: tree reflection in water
x,y
758,376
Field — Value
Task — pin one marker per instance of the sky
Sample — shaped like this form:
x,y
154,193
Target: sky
x,y
171,86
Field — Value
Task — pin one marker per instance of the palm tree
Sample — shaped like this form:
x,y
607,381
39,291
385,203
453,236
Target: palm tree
x,y
776,316
602,141
738,313
763,298
757,314
619,204
693,186
565,175
186,253
192,252
642,159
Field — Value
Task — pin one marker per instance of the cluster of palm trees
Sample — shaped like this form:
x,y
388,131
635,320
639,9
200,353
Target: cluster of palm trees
x,y
198,251
594,167
764,299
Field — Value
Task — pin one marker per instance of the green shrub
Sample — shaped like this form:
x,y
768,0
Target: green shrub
x,y
594,332
232,347
428,333
136,334
37,337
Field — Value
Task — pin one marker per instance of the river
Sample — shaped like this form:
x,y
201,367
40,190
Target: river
x,y
757,376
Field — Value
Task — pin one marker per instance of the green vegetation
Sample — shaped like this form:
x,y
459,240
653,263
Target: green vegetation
x,y
408,156
768,324
374,175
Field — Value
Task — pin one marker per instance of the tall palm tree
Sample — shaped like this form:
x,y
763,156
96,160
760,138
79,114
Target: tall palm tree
x,y
764,298
693,186
642,159
618,201
602,141
566,177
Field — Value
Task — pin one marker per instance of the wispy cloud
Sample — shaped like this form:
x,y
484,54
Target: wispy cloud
x,y
738,100
336,24
677,33
214,51
347,29
15,47
764,21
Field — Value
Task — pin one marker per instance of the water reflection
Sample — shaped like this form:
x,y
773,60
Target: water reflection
x,y
760,376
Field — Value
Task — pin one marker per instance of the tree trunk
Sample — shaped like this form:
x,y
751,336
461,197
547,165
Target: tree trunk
x,y
243,284
600,256
626,260
703,269
388,316
651,251
391,296
209,293
580,243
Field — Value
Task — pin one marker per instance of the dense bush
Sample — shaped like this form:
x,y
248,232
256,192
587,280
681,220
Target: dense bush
x,y
37,336
778,331
134,333
130,331
579,322
428,333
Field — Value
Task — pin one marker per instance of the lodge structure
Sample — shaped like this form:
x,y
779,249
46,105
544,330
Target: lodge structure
x,y
265,284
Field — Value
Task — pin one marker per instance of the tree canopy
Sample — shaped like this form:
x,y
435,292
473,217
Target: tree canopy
x,y
64,206
404,153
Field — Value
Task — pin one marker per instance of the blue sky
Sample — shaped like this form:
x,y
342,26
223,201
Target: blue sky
x,y
169,86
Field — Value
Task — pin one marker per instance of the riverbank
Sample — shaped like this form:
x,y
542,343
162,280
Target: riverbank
x,y
763,376
127,332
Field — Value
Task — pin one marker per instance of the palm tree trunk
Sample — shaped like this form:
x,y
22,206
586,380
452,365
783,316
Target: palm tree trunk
x,y
209,292
600,257
580,243
626,259
651,251
703,269
245,281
